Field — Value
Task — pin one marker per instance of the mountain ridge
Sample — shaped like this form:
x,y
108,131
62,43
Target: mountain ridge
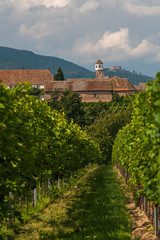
x,y
11,58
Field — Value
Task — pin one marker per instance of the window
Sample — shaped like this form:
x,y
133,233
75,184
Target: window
x,y
96,95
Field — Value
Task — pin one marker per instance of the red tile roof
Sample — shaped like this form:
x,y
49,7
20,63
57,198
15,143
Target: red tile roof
x,y
121,84
37,77
88,85
99,61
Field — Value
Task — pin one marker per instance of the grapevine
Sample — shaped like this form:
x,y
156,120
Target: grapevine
x,y
36,143
137,145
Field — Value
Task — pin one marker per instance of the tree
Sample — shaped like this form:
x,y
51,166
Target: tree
x,y
37,92
59,76
158,75
104,129
54,101
71,104
93,109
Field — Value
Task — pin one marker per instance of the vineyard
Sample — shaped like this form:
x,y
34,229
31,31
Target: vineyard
x,y
40,150
137,145
37,145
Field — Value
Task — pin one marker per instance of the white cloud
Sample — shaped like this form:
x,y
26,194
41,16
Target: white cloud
x,y
142,10
22,5
109,40
84,30
37,31
117,39
115,46
55,3
157,58
144,48
112,4
89,6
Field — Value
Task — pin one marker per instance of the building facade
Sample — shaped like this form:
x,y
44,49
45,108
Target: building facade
x,y
37,78
97,89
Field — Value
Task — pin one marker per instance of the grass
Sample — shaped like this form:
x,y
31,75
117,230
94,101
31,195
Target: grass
x,y
92,209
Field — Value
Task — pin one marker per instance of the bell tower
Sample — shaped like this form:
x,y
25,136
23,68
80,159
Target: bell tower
x,y
99,69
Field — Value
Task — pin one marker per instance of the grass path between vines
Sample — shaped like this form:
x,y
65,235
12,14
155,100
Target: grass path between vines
x,y
93,209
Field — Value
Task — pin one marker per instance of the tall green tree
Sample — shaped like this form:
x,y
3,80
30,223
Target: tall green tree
x,y
59,76
70,103
93,109
54,101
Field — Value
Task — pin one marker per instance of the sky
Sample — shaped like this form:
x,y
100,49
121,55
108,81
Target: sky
x,y
119,32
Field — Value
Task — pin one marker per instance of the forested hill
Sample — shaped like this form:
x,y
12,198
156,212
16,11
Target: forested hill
x,y
16,59
133,77
11,58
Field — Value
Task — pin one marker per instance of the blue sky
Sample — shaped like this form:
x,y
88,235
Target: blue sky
x,y
119,32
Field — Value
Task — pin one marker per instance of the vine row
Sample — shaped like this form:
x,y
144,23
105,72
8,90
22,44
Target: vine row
x,y
36,144
137,145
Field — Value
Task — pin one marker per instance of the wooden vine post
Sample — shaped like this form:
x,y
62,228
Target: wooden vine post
x,y
156,221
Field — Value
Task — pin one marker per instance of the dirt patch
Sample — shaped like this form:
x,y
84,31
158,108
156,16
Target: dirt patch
x,y
142,228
